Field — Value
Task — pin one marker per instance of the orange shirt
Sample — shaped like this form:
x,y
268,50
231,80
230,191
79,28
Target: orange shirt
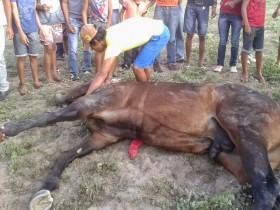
x,y
167,3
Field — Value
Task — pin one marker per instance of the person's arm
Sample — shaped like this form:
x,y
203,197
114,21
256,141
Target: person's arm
x,y
232,4
276,12
85,11
41,31
214,8
247,28
8,12
110,14
65,10
101,76
122,13
151,3
22,35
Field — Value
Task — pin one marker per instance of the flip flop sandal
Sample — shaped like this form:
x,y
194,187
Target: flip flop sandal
x,y
23,89
42,200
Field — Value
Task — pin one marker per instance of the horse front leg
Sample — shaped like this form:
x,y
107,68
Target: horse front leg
x,y
72,112
91,143
69,96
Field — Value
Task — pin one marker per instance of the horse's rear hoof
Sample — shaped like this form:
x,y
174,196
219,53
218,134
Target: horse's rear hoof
x,y
42,200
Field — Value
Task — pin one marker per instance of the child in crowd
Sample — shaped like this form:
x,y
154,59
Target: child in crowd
x,y
131,8
99,13
53,35
253,35
26,40
274,15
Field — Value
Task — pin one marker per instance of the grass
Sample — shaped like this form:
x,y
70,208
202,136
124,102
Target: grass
x,y
156,179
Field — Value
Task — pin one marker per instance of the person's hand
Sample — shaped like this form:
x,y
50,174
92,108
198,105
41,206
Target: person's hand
x,y
46,8
42,35
213,13
71,29
247,30
230,5
23,38
9,32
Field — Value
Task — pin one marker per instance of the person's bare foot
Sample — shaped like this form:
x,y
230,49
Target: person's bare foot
x,y
56,77
260,78
37,85
244,77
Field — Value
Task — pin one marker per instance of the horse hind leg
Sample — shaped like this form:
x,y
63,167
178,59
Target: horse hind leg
x,y
92,142
72,112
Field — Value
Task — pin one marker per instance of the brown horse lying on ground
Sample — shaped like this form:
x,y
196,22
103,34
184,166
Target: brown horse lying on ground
x,y
238,126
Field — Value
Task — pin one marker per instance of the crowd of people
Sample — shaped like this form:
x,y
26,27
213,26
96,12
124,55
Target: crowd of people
x,y
112,27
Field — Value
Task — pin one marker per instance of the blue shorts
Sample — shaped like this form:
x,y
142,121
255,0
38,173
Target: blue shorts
x,y
196,19
151,49
22,50
255,40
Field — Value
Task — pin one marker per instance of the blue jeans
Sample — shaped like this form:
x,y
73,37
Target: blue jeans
x,y
171,18
73,40
196,19
115,17
225,22
180,45
255,40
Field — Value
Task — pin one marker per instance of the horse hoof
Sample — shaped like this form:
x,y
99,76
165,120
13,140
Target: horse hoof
x,y
2,135
42,200
60,98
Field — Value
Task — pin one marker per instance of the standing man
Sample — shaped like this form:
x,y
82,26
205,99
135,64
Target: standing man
x,y
72,11
253,35
169,11
197,17
4,84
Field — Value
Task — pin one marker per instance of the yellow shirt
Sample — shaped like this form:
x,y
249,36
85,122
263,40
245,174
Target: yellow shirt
x,y
131,33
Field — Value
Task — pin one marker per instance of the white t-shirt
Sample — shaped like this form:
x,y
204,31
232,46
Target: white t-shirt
x,y
3,20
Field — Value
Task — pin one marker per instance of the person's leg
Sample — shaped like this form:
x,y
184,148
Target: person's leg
x,y
158,15
20,68
172,16
4,84
55,76
115,17
87,59
180,49
189,28
47,61
202,21
223,26
140,74
148,74
59,51
247,45
33,52
258,45
73,39
236,25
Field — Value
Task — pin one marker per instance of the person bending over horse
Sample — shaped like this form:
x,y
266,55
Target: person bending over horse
x,y
152,35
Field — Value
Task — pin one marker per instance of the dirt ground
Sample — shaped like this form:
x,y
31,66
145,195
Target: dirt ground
x,y
108,179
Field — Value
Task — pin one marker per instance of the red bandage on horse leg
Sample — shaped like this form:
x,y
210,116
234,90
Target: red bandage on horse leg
x,y
133,148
